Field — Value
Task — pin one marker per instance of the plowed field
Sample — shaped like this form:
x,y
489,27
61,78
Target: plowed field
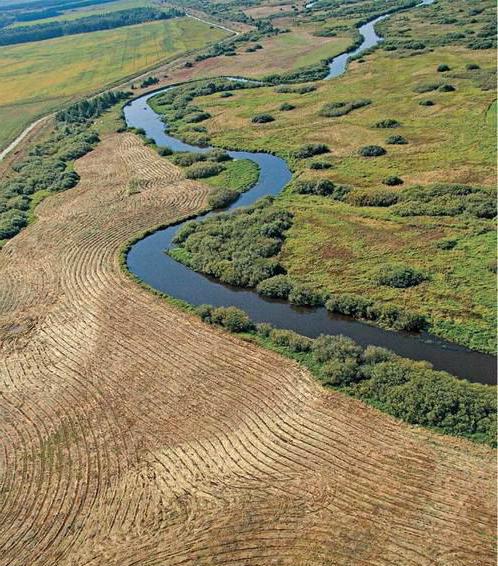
x,y
131,433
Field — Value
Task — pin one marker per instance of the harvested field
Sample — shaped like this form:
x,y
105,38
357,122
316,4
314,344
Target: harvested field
x,y
134,434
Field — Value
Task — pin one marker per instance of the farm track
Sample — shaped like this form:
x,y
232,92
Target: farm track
x,y
131,433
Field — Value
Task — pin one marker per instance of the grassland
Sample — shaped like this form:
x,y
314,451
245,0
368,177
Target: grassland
x,y
340,247
39,77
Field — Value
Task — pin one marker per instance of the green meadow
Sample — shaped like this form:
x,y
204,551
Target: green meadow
x,y
340,247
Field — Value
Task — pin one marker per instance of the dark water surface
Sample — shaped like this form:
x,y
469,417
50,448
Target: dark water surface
x,y
370,38
148,261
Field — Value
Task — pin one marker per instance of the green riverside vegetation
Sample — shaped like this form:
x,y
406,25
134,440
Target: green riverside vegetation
x,y
411,391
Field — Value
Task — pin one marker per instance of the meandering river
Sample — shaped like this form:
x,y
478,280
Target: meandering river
x,y
149,262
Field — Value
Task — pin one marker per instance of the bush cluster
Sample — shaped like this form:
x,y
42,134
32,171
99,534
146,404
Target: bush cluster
x,y
286,106
389,316
372,151
396,140
335,109
372,198
311,149
231,318
317,165
446,200
203,170
262,119
239,248
321,187
392,181
388,123
305,89
400,276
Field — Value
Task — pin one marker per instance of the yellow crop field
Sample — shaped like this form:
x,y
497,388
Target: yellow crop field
x,y
38,77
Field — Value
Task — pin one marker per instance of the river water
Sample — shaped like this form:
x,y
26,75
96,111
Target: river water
x,y
149,262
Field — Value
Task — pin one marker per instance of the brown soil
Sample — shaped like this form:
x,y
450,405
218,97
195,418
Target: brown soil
x,y
134,434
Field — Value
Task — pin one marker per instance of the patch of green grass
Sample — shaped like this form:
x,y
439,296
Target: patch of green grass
x,y
39,77
36,199
239,175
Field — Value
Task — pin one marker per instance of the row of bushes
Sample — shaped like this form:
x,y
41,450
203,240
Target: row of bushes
x,y
409,390
435,200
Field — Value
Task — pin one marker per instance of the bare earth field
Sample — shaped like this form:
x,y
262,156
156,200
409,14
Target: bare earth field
x,y
133,434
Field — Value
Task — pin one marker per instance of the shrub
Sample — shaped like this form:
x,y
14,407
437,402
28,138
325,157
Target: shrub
x,y
264,329
363,308
426,103
348,304
311,149
262,119
203,170
372,151
164,151
400,277
429,87
286,106
217,155
388,123
204,312
226,94
336,109
222,198
322,187
185,159
446,88
369,198
197,117
232,319
337,347
392,181
305,295
336,372
443,68
376,355
291,340
396,140
447,244
472,67
277,287
320,165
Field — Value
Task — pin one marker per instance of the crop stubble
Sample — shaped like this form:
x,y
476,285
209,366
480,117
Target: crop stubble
x,y
134,434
